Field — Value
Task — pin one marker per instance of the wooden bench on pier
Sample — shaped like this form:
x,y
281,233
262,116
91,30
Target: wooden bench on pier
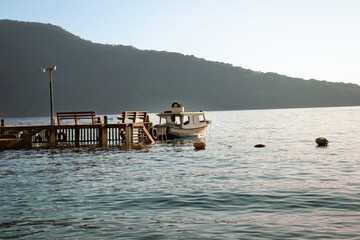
x,y
76,116
133,116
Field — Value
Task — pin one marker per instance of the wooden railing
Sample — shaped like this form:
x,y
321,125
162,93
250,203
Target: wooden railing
x,y
133,117
76,135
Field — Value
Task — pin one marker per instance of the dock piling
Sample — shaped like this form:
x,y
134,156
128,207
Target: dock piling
x,y
103,137
129,130
77,137
52,138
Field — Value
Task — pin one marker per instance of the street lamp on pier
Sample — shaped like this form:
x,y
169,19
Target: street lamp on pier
x,y
50,70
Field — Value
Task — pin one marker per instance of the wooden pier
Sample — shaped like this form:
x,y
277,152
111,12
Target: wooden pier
x,y
134,128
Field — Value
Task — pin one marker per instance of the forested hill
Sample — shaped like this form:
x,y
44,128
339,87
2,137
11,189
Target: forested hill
x,y
112,79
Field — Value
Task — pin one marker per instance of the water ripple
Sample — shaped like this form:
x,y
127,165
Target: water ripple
x,y
231,190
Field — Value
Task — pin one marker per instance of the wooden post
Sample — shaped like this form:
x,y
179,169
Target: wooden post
x,y
52,138
135,116
129,130
77,137
2,125
103,137
124,117
28,141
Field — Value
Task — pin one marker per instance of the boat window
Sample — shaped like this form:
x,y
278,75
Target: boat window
x,y
187,121
199,119
202,118
196,119
177,120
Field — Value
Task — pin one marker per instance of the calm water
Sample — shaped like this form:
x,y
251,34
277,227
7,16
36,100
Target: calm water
x,y
231,190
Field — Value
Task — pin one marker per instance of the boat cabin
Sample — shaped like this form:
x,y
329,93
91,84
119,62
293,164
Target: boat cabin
x,y
177,117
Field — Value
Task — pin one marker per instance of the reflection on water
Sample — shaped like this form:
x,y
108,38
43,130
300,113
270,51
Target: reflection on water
x,y
289,189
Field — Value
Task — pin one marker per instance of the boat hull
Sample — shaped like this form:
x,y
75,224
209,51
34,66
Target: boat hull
x,y
176,132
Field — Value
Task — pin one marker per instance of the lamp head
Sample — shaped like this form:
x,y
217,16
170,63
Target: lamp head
x,y
51,68
48,69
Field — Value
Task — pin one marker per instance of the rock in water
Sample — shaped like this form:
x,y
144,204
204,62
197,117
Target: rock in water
x,y
259,145
321,141
199,145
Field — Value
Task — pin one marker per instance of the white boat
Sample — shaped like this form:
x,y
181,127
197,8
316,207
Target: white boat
x,y
181,124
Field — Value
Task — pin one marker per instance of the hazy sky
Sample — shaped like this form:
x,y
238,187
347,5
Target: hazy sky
x,y
317,39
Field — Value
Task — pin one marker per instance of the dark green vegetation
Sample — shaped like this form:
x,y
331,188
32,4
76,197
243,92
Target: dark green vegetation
x,y
112,79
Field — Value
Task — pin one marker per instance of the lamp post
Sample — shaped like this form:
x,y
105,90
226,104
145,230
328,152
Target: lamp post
x,y
50,70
